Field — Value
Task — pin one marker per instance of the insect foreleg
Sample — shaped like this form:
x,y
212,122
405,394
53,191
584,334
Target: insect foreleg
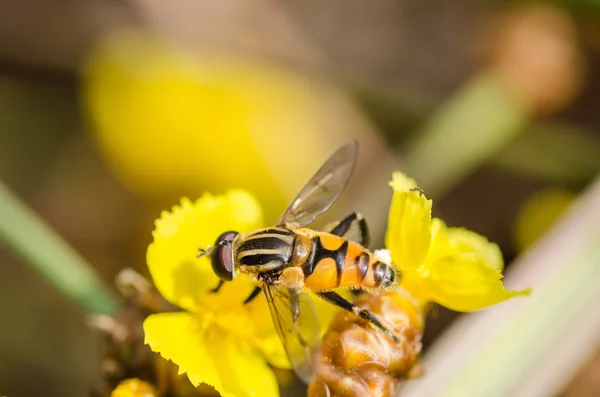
x,y
253,295
336,299
218,287
293,277
294,302
418,189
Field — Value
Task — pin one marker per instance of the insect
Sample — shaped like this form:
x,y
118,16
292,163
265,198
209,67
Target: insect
x,y
289,258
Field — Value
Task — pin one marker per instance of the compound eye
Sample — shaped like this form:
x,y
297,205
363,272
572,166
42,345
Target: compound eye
x,y
222,256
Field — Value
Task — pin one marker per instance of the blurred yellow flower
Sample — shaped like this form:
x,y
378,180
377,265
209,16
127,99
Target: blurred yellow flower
x,y
454,267
217,340
134,388
169,120
539,213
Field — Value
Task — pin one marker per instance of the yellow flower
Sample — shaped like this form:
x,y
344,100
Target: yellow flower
x,y
454,267
134,388
167,119
217,340
538,214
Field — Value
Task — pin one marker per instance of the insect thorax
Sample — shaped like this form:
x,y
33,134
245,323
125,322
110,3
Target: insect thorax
x,y
265,250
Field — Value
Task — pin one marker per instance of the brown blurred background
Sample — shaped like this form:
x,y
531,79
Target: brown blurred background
x,y
110,111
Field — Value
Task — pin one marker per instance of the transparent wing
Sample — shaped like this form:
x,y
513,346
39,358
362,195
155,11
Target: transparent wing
x,y
323,188
297,324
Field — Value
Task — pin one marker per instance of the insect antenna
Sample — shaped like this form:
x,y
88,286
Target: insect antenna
x,y
208,250
204,252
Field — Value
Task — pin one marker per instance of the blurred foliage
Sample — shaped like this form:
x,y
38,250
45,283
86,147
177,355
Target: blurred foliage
x,y
484,104
35,118
51,256
554,153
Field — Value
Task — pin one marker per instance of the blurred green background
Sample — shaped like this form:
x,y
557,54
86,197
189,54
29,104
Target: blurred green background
x,y
110,111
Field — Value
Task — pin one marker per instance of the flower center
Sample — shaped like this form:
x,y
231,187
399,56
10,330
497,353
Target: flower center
x,y
236,320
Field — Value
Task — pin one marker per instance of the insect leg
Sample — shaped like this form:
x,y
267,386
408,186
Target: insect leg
x,y
295,304
253,295
336,299
294,301
418,189
218,287
353,227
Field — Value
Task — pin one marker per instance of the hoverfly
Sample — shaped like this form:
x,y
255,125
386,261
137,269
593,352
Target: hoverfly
x,y
287,258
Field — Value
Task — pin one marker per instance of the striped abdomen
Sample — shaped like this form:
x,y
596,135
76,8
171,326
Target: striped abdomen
x,y
335,262
266,249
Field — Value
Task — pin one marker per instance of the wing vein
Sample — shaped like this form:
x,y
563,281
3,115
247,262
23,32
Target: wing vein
x,y
296,322
323,189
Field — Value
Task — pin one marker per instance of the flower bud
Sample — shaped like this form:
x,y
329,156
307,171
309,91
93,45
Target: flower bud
x,y
359,359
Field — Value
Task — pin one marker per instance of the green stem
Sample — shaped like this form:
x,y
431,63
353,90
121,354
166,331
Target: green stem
x,y
29,236
535,153
465,132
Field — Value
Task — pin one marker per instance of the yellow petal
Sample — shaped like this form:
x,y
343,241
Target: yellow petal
x,y
454,267
251,321
178,337
244,371
466,241
440,243
266,339
177,273
272,349
402,182
463,282
409,224
230,365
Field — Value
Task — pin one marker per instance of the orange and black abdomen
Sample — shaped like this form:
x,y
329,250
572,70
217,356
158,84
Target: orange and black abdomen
x,y
335,262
